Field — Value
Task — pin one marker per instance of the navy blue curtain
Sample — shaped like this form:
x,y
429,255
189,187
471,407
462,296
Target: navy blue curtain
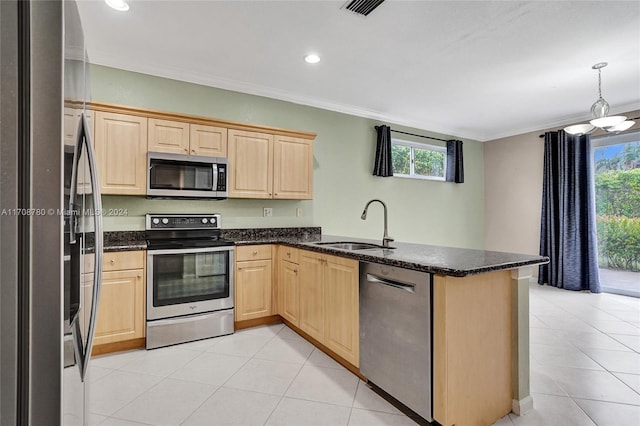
x,y
383,165
455,163
568,222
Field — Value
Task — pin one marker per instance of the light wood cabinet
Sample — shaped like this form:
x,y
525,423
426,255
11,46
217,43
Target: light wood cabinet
x,y
121,312
267,166
186,138
168,136
472,348
311,294
208,140
292,168
253,282
329,304
121,153
250,168
288,285
341,299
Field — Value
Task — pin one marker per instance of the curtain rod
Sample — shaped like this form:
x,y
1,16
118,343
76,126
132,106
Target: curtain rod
x,y
419,136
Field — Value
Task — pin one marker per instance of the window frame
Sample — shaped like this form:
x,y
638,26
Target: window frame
x,y
416,145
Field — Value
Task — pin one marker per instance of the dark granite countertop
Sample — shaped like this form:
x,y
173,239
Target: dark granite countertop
x,y
124,241
452,261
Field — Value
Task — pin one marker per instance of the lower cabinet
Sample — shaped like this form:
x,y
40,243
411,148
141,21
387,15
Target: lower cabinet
x,y
121,312
329,304
288,285
253,282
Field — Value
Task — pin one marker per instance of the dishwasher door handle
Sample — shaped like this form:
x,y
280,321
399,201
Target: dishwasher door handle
x,y
391,283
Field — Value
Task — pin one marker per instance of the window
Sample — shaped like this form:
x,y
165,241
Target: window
x,y
420,161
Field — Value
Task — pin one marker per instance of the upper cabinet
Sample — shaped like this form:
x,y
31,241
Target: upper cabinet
x,y
168,136
208,140
121,153
292,168
263,162
266,166
184,138
250,168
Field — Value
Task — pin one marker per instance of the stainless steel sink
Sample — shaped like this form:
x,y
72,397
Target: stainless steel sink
x,y
352,245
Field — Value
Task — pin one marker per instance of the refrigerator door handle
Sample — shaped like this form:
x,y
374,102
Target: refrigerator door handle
x,y
84,351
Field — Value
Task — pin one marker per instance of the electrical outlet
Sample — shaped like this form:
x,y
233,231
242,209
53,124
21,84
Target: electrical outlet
x,y
299,211
267,212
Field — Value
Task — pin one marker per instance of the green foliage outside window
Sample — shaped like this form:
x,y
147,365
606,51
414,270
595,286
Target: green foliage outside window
x,y
617,183
427,162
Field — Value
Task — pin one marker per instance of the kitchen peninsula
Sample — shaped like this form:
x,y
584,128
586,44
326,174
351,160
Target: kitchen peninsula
x,y
480,315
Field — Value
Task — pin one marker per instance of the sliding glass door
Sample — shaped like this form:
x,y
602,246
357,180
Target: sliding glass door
x,y
617,188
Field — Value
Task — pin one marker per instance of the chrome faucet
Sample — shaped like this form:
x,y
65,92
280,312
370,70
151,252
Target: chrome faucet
x,y
385,238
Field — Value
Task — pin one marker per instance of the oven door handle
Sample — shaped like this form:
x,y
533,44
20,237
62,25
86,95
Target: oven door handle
x,y
190,250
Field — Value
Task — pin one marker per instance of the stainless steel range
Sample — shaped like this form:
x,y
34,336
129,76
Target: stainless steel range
x,y
189,279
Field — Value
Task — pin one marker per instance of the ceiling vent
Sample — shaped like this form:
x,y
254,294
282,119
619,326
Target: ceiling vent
x,y
363,7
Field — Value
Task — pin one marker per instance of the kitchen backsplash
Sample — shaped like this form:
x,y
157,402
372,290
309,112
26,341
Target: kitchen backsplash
x,y
126,213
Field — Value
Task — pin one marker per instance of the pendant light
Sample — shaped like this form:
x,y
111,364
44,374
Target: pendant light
x,y
600,111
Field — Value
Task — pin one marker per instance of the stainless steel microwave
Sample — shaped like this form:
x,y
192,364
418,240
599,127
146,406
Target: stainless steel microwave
x,y
186,176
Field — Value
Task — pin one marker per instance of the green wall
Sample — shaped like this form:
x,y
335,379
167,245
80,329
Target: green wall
x,y
423,211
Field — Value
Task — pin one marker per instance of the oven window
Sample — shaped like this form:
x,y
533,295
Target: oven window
x,y
180,175
190,277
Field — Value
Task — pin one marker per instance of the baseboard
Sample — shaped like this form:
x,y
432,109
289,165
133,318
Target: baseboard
x,y
522,406
272,319
125,345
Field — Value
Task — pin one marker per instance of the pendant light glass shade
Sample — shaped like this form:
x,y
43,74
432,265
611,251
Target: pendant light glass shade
x,y
600,113
580,129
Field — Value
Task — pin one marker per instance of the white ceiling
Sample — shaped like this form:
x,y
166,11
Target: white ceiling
x,y
471,69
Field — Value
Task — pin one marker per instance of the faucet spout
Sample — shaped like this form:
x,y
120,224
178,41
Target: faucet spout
x,y
385,238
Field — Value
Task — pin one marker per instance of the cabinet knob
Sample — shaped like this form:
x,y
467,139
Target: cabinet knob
x,y
193,150
113,261
255,252
295,271
288,254
186,150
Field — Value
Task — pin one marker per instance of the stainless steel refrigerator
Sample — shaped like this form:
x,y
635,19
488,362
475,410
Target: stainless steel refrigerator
x,y
50,221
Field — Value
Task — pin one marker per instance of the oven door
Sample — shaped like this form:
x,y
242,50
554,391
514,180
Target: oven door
x,y
188,281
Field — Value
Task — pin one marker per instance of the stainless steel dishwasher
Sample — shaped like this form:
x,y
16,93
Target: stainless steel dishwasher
x,y
395,333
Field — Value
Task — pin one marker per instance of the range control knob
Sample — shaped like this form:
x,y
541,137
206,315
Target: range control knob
x,y
165,220
204,220
156,221
212,220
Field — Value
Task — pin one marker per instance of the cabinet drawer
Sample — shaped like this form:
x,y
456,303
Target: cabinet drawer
x,y
261,252
290,254
122,260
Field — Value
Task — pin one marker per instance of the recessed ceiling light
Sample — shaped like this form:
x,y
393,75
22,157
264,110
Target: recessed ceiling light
x,y
120,5
312,58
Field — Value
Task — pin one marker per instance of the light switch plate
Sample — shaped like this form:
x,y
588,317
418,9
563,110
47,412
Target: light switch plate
x,y
267,212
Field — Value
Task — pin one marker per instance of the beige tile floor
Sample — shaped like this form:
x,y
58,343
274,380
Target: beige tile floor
x,y
585,370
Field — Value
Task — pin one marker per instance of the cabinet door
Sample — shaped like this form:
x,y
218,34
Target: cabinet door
x,y
168,136
288,289
293,168
121,153
208,140
253,289
310,279
121,313
250,168
342,308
